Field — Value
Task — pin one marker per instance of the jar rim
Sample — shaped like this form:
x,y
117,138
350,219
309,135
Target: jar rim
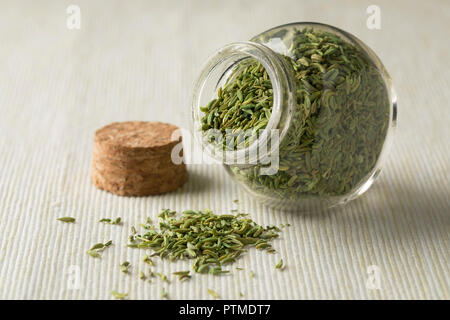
x,y
227,57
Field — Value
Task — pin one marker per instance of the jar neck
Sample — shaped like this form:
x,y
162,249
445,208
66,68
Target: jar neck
x,y
217,71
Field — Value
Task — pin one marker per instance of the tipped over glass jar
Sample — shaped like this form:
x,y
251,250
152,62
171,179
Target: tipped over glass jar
x,y
301,116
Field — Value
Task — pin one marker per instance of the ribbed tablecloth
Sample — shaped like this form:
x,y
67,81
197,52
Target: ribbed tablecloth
x,y
138,60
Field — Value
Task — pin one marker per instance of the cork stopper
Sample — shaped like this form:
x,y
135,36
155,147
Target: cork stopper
x,y
134,159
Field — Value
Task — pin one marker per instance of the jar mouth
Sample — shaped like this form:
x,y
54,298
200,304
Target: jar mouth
x,y
216,72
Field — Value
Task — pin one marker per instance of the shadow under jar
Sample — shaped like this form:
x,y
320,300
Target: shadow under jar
x,y
301,116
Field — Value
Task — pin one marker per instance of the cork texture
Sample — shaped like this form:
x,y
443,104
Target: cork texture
x,y
134,159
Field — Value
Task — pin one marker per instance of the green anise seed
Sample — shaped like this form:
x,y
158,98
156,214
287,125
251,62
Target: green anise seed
x,y
97,248
125,267
109,221
280,265
119,295
211,240
339,122
67,219
214,294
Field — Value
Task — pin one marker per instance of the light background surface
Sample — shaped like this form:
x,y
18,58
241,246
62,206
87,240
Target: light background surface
x,y
138,60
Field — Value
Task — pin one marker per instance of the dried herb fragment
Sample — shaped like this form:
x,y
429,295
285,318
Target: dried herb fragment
x,y
109,221
214,294
119,295
280,265
67,219
97,248
211,240
93,253
148,260
125,267
182,275
163,277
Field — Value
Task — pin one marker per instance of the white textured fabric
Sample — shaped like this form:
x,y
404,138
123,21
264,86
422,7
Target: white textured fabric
x,y
138,60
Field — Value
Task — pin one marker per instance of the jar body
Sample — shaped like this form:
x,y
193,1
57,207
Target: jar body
x,y
336,114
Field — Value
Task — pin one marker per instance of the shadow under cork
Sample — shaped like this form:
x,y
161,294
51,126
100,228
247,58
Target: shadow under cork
x,y
198,182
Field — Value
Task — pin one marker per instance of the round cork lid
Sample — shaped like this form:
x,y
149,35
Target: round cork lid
x,y
134,158
136,135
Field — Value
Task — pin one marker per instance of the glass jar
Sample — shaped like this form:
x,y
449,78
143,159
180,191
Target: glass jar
x,y
322,102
